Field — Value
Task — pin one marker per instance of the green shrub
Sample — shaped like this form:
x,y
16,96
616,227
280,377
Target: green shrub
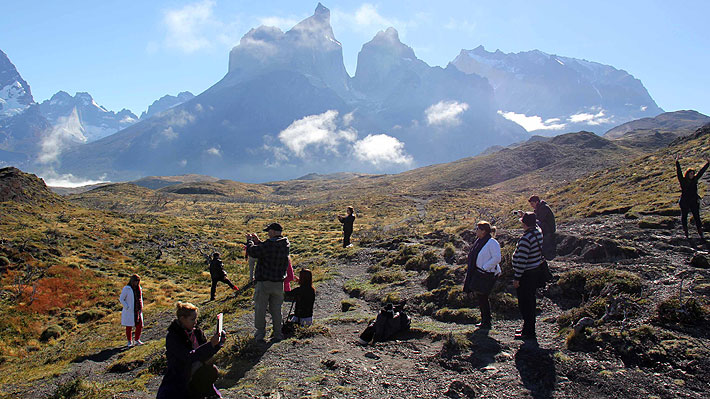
x,y
52,331
89,315
582,284
461,316
387,276
505,304
440,275
690,312
594,309
347,304
449,252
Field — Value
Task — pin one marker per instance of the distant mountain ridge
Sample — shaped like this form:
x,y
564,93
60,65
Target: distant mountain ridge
x,y
15,93
287,106
166,102
565,93
93,120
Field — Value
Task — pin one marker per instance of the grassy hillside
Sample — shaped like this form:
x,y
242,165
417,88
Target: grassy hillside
x,y
65,259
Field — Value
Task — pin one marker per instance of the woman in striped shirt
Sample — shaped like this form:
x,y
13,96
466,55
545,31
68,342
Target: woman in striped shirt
x,y
526,261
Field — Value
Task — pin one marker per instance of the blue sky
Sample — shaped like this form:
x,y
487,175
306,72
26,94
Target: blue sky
x,y
127,54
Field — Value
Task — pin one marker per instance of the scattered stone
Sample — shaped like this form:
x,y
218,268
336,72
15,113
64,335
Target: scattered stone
x,y
371,355
700,260
330,364
583,323
459,389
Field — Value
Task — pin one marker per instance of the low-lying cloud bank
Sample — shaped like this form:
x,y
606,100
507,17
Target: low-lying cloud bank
x,y
331,134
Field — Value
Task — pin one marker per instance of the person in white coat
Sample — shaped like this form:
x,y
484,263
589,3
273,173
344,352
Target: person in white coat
x,y
483,269
132,314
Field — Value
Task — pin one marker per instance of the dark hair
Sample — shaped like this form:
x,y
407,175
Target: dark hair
x,y
350,209
133,278
215,255
305,278
534,198
529,219
687,172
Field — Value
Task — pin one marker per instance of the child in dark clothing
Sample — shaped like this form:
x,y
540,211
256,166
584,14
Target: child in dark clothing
x,y
305,296
218,274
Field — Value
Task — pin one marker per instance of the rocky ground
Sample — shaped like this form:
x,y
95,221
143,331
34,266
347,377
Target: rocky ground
x,y
439,359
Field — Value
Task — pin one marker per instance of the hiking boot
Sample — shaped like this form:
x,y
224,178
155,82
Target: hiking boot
x,y
129,344
138,342
484,325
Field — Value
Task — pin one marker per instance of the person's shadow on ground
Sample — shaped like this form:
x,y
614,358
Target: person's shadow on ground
x,y
242,357
483,348
537,369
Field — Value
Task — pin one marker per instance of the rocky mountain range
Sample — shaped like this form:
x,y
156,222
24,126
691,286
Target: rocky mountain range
x,y
287,107
92,120
166,102
547,92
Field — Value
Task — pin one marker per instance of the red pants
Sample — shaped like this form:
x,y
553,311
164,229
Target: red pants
x,y
139,328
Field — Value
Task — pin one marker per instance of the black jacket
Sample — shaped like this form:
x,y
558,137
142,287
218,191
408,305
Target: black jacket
x,y
689,187
545,218
181,356
305,297
217,269
347,222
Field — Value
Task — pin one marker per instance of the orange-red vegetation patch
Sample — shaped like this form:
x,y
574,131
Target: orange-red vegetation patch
x,y
63,287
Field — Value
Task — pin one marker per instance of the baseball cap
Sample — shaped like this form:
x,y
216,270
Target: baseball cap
x,y
274,226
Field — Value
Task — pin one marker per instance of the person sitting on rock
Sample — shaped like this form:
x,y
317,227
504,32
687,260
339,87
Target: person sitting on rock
x,y
389,322
218,274
689,198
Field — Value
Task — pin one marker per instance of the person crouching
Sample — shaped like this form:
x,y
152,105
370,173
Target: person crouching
x,y
187,351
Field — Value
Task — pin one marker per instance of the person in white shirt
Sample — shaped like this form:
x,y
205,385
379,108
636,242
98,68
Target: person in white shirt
x,y
483,269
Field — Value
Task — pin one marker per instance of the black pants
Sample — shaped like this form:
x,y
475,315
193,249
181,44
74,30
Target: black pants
x,y
223,279
687,207
527,301
485,308
346,237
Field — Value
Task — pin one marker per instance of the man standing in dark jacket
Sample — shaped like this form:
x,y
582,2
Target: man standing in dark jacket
x,y
546,221
218,274
272,262
347,222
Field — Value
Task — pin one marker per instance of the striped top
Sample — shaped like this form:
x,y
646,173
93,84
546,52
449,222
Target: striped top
x,y
528,252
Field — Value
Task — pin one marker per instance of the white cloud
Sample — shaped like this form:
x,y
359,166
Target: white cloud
x,y
368,20
67,131
534,122
319,131
183,162
214,151
348,118
52,178
445,113
590,119
169,134
380,149
280,22
178,118
195,27
460,25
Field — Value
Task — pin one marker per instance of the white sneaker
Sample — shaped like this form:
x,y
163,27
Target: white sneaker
x,y
129,344
138,342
